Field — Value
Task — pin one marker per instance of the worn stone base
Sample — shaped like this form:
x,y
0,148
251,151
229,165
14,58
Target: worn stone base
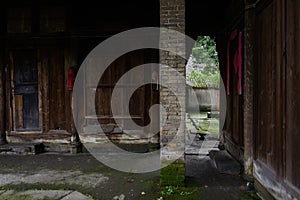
x,y
53,136
117,138
262,191
224,162
22,149
37,148
135,148
2,142
63,147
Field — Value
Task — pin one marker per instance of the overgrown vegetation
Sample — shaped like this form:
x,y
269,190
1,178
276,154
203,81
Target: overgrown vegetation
x,y
204,64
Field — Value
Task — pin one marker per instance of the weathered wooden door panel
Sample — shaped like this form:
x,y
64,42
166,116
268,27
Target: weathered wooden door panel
x,y
277,110
140,101
292,94
265,144
25,90
106,86
57,85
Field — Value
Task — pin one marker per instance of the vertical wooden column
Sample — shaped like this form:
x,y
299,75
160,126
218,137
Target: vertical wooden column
x,y
280,85
70,61
248,85
2,101
292,98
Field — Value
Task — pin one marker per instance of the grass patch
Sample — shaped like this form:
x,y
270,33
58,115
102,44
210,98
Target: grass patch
x,y
198,115
204,124
182,193
211,125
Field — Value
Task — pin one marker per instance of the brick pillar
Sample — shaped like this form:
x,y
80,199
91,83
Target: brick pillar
x,y
172,16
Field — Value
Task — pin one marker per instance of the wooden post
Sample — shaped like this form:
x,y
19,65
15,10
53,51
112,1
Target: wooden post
x,y
2,105
248,86
70,61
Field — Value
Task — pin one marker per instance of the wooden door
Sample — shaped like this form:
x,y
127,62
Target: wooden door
x,y
141,100
276,147
24,90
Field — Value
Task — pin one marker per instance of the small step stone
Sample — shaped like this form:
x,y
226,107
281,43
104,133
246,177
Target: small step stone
x,y
21,149
224,162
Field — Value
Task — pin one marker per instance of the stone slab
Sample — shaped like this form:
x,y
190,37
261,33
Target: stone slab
x,y
224,162
45,194
76,195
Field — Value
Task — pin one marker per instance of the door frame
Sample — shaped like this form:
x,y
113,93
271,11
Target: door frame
x,y
10,104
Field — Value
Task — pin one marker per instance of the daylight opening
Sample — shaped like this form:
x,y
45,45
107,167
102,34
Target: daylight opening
x,y
203,81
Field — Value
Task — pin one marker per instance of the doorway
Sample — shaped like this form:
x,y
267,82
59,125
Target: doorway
x,y
203,98
24,91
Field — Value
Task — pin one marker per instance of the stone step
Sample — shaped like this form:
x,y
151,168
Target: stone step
x,y
213,114
22,148
72,148
225,163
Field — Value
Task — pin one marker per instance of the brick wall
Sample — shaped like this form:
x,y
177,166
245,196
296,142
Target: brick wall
x,y
172,16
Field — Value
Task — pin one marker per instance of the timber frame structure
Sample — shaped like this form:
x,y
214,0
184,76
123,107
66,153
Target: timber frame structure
x,y
41,40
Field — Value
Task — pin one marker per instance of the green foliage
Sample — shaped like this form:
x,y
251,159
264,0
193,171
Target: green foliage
x,y
204,50
203,80
210,125
171,192
184,193
205,65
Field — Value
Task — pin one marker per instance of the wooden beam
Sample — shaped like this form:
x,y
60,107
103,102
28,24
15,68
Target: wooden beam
x,y
248,86
2,97
280,86
2,102
71,57
45,90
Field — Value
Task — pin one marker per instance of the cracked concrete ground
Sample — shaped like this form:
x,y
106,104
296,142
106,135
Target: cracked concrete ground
x,y
81,176
66,172
43,194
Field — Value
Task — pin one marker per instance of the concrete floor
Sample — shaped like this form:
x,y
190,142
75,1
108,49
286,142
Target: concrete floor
x,y
82,176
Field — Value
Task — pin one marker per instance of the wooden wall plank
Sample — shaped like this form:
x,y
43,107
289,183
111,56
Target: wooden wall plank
x,y
266,85
2,99
280,87
292,93
57,90
40,90
18,100
11,89
70,61
248,97
278,69
45,89
234,132
137,103
8,94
